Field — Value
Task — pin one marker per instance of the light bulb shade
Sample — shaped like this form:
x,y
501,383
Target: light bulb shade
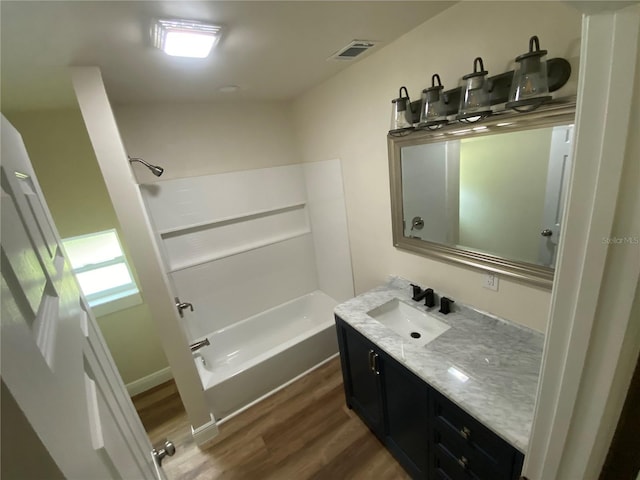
x,y
474,101
401,111
433,109
530,85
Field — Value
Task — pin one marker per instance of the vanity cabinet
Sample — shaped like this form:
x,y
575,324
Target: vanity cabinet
x,y
430,436
464,448
361,363
392,401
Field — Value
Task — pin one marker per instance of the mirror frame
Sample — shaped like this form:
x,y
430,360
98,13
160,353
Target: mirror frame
x,y
558,112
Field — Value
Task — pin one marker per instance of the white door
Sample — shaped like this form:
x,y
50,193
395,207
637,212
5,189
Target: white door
x,y
54,359
556,193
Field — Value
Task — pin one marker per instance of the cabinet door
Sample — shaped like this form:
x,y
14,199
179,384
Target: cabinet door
x,y
406,413
362,382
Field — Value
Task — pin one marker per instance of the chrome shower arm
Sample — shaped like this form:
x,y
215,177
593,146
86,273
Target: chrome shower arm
x,y
156,170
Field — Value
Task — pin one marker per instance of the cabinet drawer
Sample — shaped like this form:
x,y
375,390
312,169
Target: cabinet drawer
x,y
448,467
467,436
469,459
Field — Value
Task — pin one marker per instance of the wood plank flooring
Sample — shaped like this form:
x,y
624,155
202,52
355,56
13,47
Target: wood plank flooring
x,y
304,431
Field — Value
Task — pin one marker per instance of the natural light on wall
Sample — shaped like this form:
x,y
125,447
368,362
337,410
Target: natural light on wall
x,y
104,276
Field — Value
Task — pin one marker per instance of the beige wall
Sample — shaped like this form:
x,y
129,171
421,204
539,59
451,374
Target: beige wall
x,y
347,117
206,138
68,173
503,179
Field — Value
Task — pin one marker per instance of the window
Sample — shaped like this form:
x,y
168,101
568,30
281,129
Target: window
x,y
102,271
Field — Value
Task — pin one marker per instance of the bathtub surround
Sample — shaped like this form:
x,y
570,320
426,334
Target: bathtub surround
x,y
325,202
263,257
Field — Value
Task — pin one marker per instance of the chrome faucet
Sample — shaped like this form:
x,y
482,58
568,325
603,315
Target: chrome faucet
x,y
198,345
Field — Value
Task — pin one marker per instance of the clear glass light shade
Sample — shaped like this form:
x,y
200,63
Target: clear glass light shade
x,y
433,109
474,101
399,115
530,80
475,97
530,85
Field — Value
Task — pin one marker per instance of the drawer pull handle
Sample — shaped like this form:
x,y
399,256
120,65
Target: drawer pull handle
x,y
466,433
463,462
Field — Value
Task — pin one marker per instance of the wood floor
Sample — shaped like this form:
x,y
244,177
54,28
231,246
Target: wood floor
x,y
304,431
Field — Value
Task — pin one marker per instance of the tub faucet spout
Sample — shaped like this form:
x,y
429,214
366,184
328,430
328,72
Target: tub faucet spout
x,y
198,345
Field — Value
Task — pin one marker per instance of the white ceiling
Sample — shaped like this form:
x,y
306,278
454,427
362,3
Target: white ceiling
x,y
271,50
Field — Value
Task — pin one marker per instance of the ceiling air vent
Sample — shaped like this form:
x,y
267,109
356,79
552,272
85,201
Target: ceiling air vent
x,y
353,50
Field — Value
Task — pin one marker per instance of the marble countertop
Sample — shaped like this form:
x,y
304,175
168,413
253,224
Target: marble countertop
x,y
501,359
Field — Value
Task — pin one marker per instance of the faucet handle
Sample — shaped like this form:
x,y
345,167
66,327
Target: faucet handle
x,y
182,306
445,305
416,292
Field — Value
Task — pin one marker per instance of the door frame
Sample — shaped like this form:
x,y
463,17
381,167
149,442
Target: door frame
x,y
591,335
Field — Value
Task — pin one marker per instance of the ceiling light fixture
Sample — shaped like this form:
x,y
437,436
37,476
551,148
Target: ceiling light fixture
x,y
184,38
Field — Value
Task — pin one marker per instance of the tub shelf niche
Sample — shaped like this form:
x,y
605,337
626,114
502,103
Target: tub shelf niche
x,y
197,244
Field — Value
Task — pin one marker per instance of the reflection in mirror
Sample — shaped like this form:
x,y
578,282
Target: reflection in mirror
x,y
490,196
494,194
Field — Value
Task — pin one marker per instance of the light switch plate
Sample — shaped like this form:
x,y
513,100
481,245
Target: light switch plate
x,y
490,281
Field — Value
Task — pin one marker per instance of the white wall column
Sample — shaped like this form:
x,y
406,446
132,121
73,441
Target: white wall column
x,y
128,204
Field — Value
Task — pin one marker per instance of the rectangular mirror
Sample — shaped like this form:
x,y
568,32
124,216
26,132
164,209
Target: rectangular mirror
x,y
489,194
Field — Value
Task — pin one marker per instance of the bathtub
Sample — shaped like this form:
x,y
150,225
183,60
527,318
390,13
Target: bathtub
x,y
259,355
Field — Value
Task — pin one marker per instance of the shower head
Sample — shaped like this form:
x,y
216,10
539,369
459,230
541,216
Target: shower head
x,y
156,170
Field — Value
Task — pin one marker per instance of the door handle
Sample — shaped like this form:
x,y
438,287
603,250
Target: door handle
x,y
182,306
371,360
546,232
376,370
168,449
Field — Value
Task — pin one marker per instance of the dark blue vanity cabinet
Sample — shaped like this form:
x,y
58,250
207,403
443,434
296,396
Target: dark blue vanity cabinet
x,y
431,437
363,388
392,401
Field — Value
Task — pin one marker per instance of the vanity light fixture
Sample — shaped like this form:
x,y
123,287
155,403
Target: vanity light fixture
x,y
184,38
530,86
433,111
401,113
474,101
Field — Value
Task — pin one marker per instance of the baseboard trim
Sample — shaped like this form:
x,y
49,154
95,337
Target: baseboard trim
x,y
205,433
146,383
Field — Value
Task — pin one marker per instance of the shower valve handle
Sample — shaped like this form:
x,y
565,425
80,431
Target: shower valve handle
x,y
182,306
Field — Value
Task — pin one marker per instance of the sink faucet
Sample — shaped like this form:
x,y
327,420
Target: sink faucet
x,y
428,295
198,345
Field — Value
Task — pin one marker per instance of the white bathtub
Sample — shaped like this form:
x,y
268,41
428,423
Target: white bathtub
x,y
260,354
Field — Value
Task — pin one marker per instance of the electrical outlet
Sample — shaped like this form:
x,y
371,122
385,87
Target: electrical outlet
x,y
490,281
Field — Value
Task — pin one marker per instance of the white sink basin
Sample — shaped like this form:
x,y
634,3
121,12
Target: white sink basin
x,y
410,323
